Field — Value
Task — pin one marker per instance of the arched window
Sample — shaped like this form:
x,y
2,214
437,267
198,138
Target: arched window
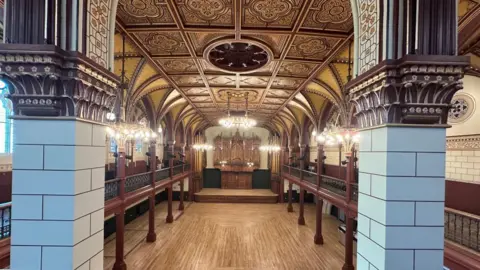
x,y
6,130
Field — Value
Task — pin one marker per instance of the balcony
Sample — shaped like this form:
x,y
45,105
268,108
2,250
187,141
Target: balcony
x,y
119,194
462,230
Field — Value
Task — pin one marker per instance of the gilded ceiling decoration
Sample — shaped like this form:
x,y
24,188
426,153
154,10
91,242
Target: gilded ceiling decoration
x,y
238,96
238,57
163,43
330,15
279,13
144,12
206,12
188,44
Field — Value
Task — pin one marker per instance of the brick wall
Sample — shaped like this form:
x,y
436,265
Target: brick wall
x,y
463,159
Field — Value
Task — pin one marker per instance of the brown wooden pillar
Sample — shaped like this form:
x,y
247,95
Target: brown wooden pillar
x,y
191,188
152,236
182,183
290,207
349,219
318,239
120,215
169,218
301,218
281,187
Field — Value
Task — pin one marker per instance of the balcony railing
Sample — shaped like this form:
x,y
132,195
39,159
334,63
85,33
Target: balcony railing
x,y
162,174
137,181
5,215
462,228
334,185
177,169
310,177
112,189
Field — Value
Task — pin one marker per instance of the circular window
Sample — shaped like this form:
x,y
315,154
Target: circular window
x,y
238,56
463,106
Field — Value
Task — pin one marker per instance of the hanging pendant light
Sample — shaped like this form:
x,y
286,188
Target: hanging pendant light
x,y
239,122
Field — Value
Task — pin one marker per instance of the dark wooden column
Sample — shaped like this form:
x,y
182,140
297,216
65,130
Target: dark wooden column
x,y
318,239
280,172
170,155
152,236
120,215
191,188
290,207
301,217
182,183
349,218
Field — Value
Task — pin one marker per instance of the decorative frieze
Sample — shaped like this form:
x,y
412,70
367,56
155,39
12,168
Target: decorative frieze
x,y
53,82
470,142
412,90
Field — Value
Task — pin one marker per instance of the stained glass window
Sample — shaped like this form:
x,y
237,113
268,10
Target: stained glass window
x,y
6,130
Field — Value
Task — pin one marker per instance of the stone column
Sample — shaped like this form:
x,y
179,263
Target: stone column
x,y
58,180
402,161
57,194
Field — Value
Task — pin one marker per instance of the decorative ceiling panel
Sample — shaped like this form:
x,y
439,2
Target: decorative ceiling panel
x,y
219,80
312,47
296,69
195,91
237,95
270,13
200,40
144,12
254,81
201,99
330,15
177,65
279,93
275,42
287,83
189,80
278,101
205,105
163,43
206,12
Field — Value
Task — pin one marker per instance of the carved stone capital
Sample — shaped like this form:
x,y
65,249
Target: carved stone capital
x,y
413,90
44,80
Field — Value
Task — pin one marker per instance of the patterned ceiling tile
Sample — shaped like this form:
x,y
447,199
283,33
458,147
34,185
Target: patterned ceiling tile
x,y
296,69
205,105
274,100
201,99
144,12
193,80
254,81
163,43
270,13
279,93
238,95
286,83
208,109
201,40
219,80
270,107
275,42
197,91
311,47
330,15
206,12
173,66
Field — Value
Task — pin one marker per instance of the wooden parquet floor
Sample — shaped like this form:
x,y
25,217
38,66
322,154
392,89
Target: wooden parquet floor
x,y
230,236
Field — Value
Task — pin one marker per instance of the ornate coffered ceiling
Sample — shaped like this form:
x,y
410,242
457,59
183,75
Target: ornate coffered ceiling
x,y
285,43
308,43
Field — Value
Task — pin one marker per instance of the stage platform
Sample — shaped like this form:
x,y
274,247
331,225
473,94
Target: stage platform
x,y
219,195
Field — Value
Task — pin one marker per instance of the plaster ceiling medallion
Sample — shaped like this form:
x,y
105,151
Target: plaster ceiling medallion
x,y
238,56
237,96
463,106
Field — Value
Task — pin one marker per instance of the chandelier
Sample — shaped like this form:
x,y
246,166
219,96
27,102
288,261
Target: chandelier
x,y
122,132
273,145
346,137
202,147
241,122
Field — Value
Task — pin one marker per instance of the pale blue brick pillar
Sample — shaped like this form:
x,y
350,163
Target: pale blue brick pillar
x,y
401,200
